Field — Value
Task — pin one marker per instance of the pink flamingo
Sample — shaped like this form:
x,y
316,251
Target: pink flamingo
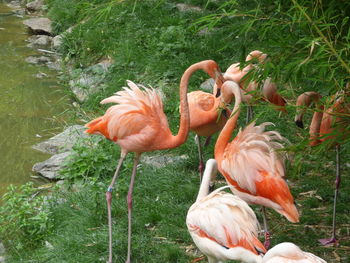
x,y
222,225
208,114
251,165
138,124
269,89
325,123
290,253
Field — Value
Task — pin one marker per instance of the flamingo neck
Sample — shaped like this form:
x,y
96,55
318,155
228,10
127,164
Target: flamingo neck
x,y
182,134
230,125
208,176
315,126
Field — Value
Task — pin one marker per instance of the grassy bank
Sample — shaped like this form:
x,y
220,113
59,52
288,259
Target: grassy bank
x,y
152,42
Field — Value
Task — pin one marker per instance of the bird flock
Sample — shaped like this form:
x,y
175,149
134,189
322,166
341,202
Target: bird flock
x,y
221,224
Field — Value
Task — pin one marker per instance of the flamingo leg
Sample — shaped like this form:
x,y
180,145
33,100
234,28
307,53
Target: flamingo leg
x,y
333,239
109,201
200,155
250,114
207,141
129,200
266,232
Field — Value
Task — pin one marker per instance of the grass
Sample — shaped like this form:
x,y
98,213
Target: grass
x,y
155,50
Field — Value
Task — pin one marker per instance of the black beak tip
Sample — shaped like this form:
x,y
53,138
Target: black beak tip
x,y
300,124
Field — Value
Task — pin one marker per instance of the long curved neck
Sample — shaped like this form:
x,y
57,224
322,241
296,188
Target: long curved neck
x,y
304,101
315,126
208,176
182,134
230,125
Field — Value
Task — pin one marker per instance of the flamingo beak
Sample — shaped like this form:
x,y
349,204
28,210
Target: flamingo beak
x,y
219,80
300,124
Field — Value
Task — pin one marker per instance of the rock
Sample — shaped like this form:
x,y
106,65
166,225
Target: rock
x,y
2,252
159,161
39,40
41,75
90,81
14,4
208,85
38,60
49,168
188,8
34,6
40,26
57,42
63,141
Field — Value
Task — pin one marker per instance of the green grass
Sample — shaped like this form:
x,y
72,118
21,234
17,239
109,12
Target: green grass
x,y
152,43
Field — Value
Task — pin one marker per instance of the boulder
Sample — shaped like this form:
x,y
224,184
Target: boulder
x,y
208,85
90,81
57,42
38,60
35,5
188,8
39,41
49,168
63,141
39,26
160,161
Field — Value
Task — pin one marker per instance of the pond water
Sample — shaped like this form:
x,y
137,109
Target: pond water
x,y
31,109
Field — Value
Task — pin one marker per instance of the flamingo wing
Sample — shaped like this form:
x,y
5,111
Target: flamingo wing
x,y
138,113
253,166
222,221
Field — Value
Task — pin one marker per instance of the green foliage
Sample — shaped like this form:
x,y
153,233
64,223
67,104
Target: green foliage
x,y
307,41
24,218
91,160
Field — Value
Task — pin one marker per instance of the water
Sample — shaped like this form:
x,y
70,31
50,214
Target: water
x,y
31,109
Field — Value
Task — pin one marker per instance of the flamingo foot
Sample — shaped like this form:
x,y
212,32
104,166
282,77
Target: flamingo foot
x,y
267,242
327,241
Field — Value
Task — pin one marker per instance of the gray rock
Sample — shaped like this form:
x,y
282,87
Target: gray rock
x,y
40,26
159,161
49,168
41,75
90,81
35,5
57,42
188,8
208,85
14,4
2,252
38,60
39,40
63,141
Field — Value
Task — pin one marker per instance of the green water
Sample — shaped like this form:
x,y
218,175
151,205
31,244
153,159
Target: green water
x,y
31,109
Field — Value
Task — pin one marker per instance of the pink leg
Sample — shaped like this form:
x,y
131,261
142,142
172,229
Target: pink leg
x,y
129,200
109,202
266,232
200,155
333,239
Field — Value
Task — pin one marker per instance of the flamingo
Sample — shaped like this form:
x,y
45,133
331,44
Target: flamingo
x,y
322,125
269,89
251,165
138,124
208,115
290,253
222,225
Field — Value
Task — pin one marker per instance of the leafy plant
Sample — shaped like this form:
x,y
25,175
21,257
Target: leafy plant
x,y
24,217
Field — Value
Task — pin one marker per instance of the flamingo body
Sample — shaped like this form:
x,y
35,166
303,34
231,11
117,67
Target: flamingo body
x,y
251,165
289,253
137,123
205,119
223,226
